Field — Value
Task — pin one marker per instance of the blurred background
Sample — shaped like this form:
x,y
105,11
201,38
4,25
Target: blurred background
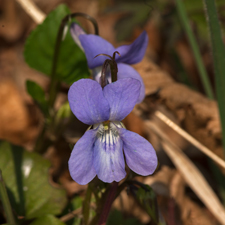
x,y
173,86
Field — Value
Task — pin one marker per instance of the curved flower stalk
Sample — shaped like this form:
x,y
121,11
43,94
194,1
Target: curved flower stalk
x,y
130,54
101,150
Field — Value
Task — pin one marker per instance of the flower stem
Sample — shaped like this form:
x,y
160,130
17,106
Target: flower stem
x,y
113,68
54,85
43,142
6,202
108,203
86,205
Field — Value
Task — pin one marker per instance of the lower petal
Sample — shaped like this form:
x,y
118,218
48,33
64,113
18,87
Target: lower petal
x,y
108,156
139,153
81,159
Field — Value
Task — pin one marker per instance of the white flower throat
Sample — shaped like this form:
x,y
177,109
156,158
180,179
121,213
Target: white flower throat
x,y
108,132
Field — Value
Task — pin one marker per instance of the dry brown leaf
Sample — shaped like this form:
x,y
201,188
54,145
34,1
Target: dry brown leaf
x,y
169,185
191,175
198,115
15,123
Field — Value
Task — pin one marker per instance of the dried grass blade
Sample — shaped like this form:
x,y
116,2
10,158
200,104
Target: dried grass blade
x,y
191,175
191,139
37,15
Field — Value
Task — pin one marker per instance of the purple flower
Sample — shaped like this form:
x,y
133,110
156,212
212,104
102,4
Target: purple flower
x,y
101,150
130,54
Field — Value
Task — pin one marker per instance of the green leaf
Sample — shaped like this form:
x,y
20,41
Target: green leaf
x,y
195,11
39,49
47,220
38,94
27,182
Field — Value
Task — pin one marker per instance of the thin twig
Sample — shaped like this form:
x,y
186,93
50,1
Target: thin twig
x,y
188,137
76,212
37,15
70,215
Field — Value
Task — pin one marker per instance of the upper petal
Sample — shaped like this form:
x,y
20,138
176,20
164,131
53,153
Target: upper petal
x,y
94,45
122,96
134,52
125,71
76,31
139,153
108,155
87,101
81,159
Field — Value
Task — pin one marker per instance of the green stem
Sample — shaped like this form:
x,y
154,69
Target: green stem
x,y
193,43
114,71
43,142
86,205
108,203
6,202
104,206
218,50
54,84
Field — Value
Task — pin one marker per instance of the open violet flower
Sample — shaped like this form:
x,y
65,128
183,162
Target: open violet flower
x,y
130,54
103,150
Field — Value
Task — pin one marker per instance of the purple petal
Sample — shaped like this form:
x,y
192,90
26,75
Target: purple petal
x,y
87,102
94,45
81,159
134,52
76,31
125,71
139,153
108,155
122,96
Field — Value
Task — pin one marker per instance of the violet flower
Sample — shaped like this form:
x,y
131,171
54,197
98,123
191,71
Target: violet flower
x,y
130,54
101,150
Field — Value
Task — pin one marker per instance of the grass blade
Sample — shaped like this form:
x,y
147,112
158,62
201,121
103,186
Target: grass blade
x,y
218,50
5,202
192,41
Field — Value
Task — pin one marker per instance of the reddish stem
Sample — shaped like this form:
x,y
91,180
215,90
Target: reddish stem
x,y
108,203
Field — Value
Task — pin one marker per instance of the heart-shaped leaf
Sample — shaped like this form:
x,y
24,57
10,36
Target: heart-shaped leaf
x,y
27,182
39,49
38,94
47,220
